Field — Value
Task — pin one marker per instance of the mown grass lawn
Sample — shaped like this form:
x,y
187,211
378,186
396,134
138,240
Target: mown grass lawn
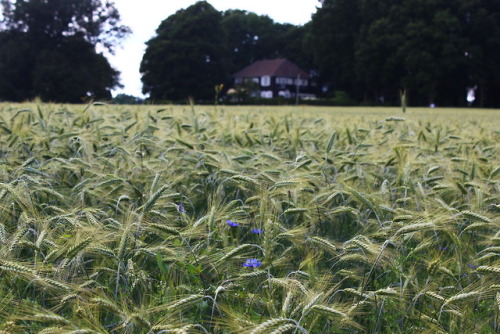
x,y
219,219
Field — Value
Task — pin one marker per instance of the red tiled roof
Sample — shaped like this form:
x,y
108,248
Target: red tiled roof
x,y
272,67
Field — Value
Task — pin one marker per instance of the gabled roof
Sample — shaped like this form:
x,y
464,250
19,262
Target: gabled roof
x,y
272,67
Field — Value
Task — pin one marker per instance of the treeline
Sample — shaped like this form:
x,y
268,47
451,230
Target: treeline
x,y
432,49
365,51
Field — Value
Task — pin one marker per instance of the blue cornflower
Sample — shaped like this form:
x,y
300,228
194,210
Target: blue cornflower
x,y
471,266
257,231
180,208
231,223
252,263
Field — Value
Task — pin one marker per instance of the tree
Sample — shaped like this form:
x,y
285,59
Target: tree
x,y
96,21
481,21
432,49
127,99
187,57
72,71
52,49
332,39
423,55
16,66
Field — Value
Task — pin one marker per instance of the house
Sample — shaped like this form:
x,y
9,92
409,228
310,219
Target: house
x,y
274,78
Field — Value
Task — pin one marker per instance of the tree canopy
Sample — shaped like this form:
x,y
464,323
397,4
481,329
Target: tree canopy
x,y
432,49
49,49
197,48
186,58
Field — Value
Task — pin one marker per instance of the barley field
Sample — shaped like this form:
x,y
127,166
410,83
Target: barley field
x,y
253,220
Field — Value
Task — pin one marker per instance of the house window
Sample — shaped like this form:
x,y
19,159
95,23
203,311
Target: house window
x,y
238,80
284,81
285,93
265,81
256,80
300,82
266,94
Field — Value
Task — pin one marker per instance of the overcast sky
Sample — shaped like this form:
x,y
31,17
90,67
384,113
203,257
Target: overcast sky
x,y
144,16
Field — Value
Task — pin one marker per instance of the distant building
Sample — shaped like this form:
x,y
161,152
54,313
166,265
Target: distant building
x,y
275,78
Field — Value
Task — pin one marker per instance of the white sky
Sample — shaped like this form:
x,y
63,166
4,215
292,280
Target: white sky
x,y
144,16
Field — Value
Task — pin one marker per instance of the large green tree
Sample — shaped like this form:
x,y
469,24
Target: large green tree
x,y
50,49
187,57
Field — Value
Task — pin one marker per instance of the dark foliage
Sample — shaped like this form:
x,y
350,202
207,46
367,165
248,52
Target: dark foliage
x,y
434,50
186,58
370,51
49,49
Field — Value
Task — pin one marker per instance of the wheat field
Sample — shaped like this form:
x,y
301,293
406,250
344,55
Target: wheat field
x,y
253,220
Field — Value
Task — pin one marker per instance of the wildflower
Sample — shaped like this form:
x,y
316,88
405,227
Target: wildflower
x,y
180,208
471,266
231,223
443,248
257,231
252,263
